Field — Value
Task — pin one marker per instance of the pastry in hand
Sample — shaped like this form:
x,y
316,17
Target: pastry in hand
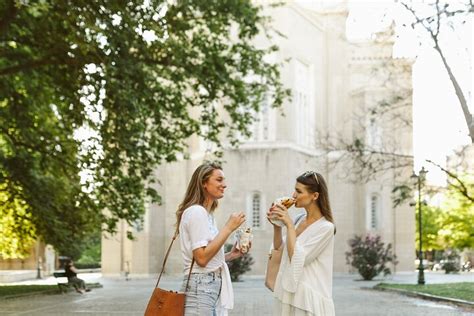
x,y
286,202
244,237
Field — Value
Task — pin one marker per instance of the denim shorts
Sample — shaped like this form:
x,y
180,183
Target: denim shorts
x,y
202,294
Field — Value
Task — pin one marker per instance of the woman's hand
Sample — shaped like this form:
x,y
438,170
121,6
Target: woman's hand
x,y
236,253
235,220
277,237
279,212
233,254
270,216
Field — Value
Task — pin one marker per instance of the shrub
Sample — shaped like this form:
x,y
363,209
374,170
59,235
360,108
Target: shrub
x,y
94,265
450,261
370,256
90,256
239,266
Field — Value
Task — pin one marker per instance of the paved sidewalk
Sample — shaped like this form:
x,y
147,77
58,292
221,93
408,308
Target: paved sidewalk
x,y
120,297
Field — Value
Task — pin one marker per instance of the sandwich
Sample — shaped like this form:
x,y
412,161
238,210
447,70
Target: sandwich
x,y
244,237
286,202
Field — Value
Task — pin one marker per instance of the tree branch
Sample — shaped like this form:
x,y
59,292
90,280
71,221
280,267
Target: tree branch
x,y
17,143
438,19
434,36
461,187
8,17
29,65
459,93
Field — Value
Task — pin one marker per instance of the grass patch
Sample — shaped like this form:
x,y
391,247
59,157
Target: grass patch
x,y
7,291
462,291
13,290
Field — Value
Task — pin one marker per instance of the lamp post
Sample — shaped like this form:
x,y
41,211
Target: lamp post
x,y
417,181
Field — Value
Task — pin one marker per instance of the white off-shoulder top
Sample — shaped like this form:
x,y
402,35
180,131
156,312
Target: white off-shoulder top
x,y
304,285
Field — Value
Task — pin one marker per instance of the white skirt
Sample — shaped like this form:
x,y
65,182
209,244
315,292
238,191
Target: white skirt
x,y
281,309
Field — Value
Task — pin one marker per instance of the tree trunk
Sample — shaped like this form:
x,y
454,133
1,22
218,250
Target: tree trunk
x,y
459,94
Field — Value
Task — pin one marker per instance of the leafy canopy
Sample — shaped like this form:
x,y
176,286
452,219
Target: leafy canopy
x,y
95,94
457,217
450,224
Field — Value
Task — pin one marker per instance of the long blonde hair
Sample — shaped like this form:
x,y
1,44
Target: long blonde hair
x,y
195,193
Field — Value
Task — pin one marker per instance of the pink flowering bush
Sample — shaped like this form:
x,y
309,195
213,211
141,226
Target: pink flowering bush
x,y
370,256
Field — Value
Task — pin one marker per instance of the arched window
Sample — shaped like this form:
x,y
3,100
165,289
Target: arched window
x,y
256,210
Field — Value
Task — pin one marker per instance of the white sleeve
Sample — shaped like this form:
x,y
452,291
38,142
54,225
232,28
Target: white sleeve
x,y
304,254
197,226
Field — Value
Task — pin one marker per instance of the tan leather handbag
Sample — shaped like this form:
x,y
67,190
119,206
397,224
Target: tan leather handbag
x,y
273,265
164,302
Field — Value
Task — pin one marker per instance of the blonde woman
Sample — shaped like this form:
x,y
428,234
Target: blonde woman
x,y
304,282
210,289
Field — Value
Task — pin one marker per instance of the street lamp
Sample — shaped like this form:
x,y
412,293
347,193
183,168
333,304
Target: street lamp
x,y
417,181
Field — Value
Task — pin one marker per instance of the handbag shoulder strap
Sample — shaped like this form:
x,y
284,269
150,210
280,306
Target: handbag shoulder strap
x,y
166,258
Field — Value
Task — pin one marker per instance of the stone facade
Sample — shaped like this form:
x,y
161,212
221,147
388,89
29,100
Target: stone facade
x,y
40,255
331,79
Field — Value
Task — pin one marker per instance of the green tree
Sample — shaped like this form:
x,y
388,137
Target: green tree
x,y
138,80
449,226
17,232
457,217
430,228
90,255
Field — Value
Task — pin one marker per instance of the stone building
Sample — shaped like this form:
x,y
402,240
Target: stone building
x,y
331,80
41,260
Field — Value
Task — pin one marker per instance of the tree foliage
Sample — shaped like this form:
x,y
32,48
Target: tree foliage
x,y
457,218
95,94
17,232
449,225
430,222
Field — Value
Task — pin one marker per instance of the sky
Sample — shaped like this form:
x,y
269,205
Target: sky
x,y
439,126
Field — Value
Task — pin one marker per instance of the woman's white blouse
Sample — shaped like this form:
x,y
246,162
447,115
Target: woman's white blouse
x,y
304,285
197,229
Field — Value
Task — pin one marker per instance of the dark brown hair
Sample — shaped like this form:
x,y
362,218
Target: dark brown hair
x,y
314,182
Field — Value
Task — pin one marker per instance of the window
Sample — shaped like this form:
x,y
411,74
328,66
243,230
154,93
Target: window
x,y
373,211
374,134
303,105
263,126
138,225
256,210
141,225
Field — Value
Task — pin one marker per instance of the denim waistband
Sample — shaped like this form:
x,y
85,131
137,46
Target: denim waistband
x,y
216,273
